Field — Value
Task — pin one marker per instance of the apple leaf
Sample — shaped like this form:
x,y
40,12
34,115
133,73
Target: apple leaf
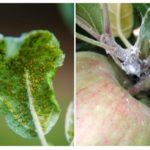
x,y
27,68
141,7
144,36
69,126
91,14
121,19
139,11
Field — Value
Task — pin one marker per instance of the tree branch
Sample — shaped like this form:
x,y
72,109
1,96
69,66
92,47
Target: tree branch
x,y
93,42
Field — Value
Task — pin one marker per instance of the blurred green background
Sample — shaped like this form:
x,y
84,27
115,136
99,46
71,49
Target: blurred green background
x,y
59,19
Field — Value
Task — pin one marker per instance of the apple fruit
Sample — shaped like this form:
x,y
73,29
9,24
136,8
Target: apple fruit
x,y
106,114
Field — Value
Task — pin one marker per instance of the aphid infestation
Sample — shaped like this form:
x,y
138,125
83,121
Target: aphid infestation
x,y
113,74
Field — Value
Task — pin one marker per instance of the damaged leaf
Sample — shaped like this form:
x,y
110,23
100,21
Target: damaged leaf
x,y
37,53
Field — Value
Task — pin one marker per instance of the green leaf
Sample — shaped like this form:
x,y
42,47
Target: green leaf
x,y
139,11
144,34
36,54
69,126
91,14
143,42
141,7
121,18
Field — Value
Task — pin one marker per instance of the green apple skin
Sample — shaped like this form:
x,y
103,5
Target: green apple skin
x,y
106,114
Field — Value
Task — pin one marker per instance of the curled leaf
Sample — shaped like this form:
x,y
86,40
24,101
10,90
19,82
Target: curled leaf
x,y
37,53
69,126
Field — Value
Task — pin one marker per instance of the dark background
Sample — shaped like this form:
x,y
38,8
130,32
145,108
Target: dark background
x,y
18,18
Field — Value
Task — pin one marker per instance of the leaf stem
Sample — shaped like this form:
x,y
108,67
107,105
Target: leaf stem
x,y
107,27
93,42
121,35
36,120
